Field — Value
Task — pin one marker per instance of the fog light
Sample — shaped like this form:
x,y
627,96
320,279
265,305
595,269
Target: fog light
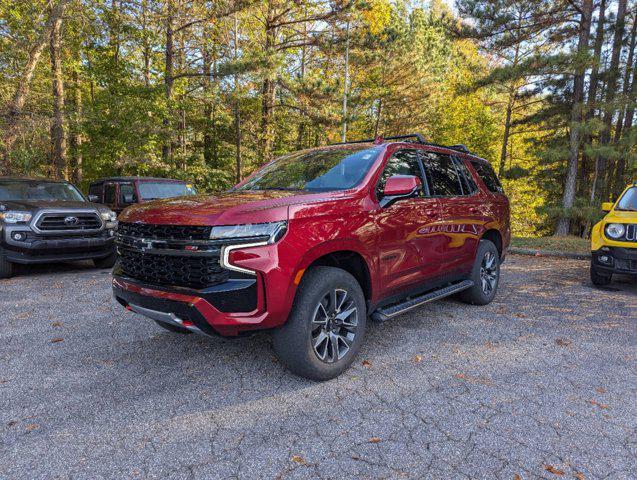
x,y
111,233
605,259
19,236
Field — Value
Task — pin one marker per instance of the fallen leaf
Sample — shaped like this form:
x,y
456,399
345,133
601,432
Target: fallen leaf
x,y
517,477
597,404
57,324
579,476
417,359
31,426
12,423
57,340
298,459
563,342
600,390
520,315
374,440
553,470
366,363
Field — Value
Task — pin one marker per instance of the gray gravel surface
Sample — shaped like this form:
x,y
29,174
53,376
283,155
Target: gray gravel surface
x,y
539,384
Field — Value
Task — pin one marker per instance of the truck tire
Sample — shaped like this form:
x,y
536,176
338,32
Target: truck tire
x,y
485,275
106,262
600,279
326,326
173,328
6,267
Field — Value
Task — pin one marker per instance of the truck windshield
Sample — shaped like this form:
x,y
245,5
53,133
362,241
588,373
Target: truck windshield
x,y
316,170
17,190
628,201
155,190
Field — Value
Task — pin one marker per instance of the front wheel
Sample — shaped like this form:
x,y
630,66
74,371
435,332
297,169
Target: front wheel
x,y
326,326
6,267
485,275
106,262
600,279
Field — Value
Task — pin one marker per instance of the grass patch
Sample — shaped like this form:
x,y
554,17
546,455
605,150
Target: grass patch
x,y
555,244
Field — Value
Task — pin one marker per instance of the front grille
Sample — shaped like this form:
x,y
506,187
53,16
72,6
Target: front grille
x,y
164,232
185,271
631,233
64,222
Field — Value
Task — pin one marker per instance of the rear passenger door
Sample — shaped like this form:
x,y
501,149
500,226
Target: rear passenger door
x,y
461,220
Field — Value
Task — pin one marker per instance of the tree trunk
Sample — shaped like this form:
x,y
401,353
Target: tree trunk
x,y
58,133
268,91
76,134
570,184
146,52
169,55
609,111
16,105
620,182
237,111
507,130
626,83
345,83
207,108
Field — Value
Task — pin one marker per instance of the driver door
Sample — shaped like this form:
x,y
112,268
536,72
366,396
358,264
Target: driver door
x,y
409,246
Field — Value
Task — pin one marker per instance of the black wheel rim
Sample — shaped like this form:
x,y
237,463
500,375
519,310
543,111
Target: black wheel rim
x,y
334,323
489,273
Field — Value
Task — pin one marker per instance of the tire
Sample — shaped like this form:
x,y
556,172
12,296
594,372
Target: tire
x,y
173,328
600,279
6,267
485,275
106,262
319,342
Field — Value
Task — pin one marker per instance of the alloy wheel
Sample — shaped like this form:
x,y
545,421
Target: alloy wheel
x,y
489,272
334,323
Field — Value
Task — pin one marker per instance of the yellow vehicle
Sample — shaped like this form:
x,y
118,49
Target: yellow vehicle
x,y
614,239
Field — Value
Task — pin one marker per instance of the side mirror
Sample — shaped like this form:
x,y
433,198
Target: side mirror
x,y
93,198
607,206
129,198
400,186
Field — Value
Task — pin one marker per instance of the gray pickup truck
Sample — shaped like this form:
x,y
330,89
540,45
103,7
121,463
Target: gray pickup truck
x,y
45,221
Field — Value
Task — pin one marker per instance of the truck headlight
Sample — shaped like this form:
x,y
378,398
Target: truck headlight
x,y
615,230
13,216
108,216
252,232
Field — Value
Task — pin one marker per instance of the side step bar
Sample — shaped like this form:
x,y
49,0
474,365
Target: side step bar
x,y
396,309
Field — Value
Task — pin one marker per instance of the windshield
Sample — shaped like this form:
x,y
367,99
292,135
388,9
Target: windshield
x,y
37,190
628,200
155,190
316,171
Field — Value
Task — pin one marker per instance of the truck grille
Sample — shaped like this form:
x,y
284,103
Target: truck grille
x,y
168,270
165,232
65,222
631,233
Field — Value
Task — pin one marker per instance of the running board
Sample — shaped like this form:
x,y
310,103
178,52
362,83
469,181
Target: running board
x,y
396,309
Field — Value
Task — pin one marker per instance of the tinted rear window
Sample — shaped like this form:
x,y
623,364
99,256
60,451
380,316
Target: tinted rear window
x,y
488,176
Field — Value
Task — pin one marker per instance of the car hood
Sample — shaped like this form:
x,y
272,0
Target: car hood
x,y
33,205
621,216
221,209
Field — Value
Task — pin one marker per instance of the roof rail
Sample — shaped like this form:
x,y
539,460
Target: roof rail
x,y
415,137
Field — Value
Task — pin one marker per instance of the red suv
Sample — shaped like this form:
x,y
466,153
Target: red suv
x,y
314,243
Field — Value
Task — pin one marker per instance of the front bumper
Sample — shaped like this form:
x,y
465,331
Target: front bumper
x,y
35,248
616,260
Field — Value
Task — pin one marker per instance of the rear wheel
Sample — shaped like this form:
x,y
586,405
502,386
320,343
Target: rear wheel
x,y
326,326
485,275
599,278
6,267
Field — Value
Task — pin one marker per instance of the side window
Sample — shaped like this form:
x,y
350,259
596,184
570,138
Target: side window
x,y
109,193
125,190
468,183
403,162
442,175
488,176
96,190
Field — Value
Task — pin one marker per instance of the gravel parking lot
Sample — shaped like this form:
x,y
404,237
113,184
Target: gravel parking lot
x,y
540,384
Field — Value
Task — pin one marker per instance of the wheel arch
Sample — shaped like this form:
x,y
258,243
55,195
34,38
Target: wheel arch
x,y
350,261
494,237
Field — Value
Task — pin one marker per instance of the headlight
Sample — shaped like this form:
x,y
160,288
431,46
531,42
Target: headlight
x,y
266,232
615,230
108,216
13,216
